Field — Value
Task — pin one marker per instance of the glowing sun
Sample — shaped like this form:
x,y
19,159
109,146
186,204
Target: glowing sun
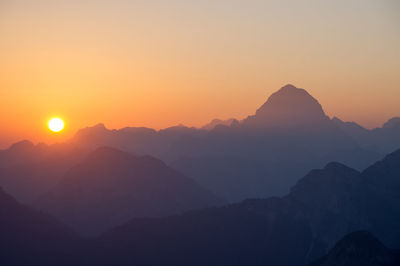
x,y
56,124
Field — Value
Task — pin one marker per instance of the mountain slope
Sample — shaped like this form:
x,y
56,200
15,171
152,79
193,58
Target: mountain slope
x,y
110,187
27,170
30,237
250,233
321,208
359,248
289,106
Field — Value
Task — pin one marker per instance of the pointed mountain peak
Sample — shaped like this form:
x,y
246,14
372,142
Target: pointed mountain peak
x,y
323,183
289,87
289,106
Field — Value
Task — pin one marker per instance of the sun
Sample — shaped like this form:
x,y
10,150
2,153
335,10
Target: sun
x,y
56,124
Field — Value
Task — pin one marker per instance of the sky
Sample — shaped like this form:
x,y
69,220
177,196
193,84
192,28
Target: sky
x,y
163,63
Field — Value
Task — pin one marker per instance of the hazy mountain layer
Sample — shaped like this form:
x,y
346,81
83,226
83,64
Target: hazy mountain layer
x,y
110,187
321,208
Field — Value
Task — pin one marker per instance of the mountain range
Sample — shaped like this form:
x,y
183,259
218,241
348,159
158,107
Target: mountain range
x,y
110,187
259,156
230,193
320,209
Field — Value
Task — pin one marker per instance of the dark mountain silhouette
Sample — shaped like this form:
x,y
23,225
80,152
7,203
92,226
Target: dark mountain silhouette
x,y
30,237
249,233
289,107
321,208
359,248
337,200
110,187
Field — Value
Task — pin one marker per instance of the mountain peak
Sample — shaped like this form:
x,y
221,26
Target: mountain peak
x,y
359,248
289,87
289,106
22,145
393,122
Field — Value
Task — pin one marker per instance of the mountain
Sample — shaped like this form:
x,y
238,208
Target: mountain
x,y
29,237
359,248
264,154
289,107
320,209
392,123
136,140
261,156
249,233
351,128
21,152
337,200
28,170
110,187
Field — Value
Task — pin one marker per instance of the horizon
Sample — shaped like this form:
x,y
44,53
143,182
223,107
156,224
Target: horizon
x,y
156,65
60,138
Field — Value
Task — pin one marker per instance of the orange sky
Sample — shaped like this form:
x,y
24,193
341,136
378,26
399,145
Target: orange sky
x,y
161,63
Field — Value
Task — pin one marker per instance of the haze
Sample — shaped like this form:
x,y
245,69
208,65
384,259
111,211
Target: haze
x,y
161,63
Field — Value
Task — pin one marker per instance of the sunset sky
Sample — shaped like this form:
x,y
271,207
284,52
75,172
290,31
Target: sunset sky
x,y
162,63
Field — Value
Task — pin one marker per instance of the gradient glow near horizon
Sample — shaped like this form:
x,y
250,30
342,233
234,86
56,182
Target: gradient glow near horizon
x,y
162,63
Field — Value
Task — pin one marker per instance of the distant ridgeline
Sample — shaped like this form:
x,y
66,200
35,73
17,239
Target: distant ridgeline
x,y
139,210
260,156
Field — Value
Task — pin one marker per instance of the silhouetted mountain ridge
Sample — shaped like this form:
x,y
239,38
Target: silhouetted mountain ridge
x,y
110,187
287,135
321,208
289,106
